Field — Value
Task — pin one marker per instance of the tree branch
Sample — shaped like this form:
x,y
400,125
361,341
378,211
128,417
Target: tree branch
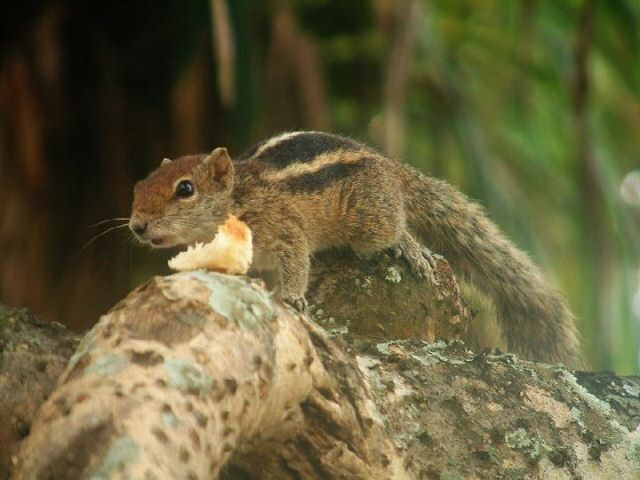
x,y
196,372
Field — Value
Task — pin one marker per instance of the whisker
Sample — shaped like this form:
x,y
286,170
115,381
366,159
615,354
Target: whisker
x,y
114,219
178,225
101,234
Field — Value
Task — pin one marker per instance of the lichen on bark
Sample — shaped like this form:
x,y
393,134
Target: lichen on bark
x,y
198,374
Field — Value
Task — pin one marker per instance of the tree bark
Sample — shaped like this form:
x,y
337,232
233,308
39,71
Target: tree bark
x,y
200,375
33,354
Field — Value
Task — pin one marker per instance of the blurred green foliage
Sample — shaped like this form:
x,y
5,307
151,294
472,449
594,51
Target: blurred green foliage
x,y
492,104
532,107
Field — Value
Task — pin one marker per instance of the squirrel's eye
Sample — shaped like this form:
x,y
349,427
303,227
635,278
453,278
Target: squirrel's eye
x,y
185,189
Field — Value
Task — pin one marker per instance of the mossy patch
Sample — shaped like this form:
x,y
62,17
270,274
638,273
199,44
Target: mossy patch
x,y
596,419
187,375
451,475
86,344
122,451
393,275
633,453
236,299
522,441
106,365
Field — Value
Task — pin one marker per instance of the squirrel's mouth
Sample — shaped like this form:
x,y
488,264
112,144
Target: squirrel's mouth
x,y
158,242
161,242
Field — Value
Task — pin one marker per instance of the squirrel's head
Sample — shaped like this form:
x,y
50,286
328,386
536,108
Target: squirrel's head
x,y
183,200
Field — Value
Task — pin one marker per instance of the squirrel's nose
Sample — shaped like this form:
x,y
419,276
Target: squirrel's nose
x,y
138,227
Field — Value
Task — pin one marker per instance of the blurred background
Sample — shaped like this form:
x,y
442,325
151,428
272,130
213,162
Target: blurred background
x,y
532,107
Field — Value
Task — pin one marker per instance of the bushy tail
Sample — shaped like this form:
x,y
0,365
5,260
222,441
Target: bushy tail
x,y
536,322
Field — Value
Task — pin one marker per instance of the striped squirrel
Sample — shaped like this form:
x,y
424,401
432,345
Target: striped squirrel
x,y
301,192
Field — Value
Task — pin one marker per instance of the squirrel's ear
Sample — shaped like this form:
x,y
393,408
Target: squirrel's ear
x,y
220,164
165,161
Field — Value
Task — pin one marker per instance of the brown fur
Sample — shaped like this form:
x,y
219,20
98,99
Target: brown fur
x,y
304,192
535,319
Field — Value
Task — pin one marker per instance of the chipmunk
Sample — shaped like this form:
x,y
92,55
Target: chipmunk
x,y
301,192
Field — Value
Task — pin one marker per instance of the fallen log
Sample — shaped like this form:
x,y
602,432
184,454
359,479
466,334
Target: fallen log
x,y
197,375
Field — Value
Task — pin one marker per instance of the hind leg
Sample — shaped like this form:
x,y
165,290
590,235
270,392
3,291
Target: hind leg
x,y
392,234
377,220
377,235
419,258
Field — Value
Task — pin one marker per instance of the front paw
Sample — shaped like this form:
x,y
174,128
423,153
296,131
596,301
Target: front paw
x,y
296,301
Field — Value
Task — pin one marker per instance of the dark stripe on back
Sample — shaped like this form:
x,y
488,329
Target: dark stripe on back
x,y
304,147
325,177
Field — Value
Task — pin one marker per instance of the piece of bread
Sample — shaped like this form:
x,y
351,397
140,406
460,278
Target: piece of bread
x,y
230,251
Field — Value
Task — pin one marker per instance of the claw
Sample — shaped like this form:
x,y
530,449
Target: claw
x,y
424,267
297,302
